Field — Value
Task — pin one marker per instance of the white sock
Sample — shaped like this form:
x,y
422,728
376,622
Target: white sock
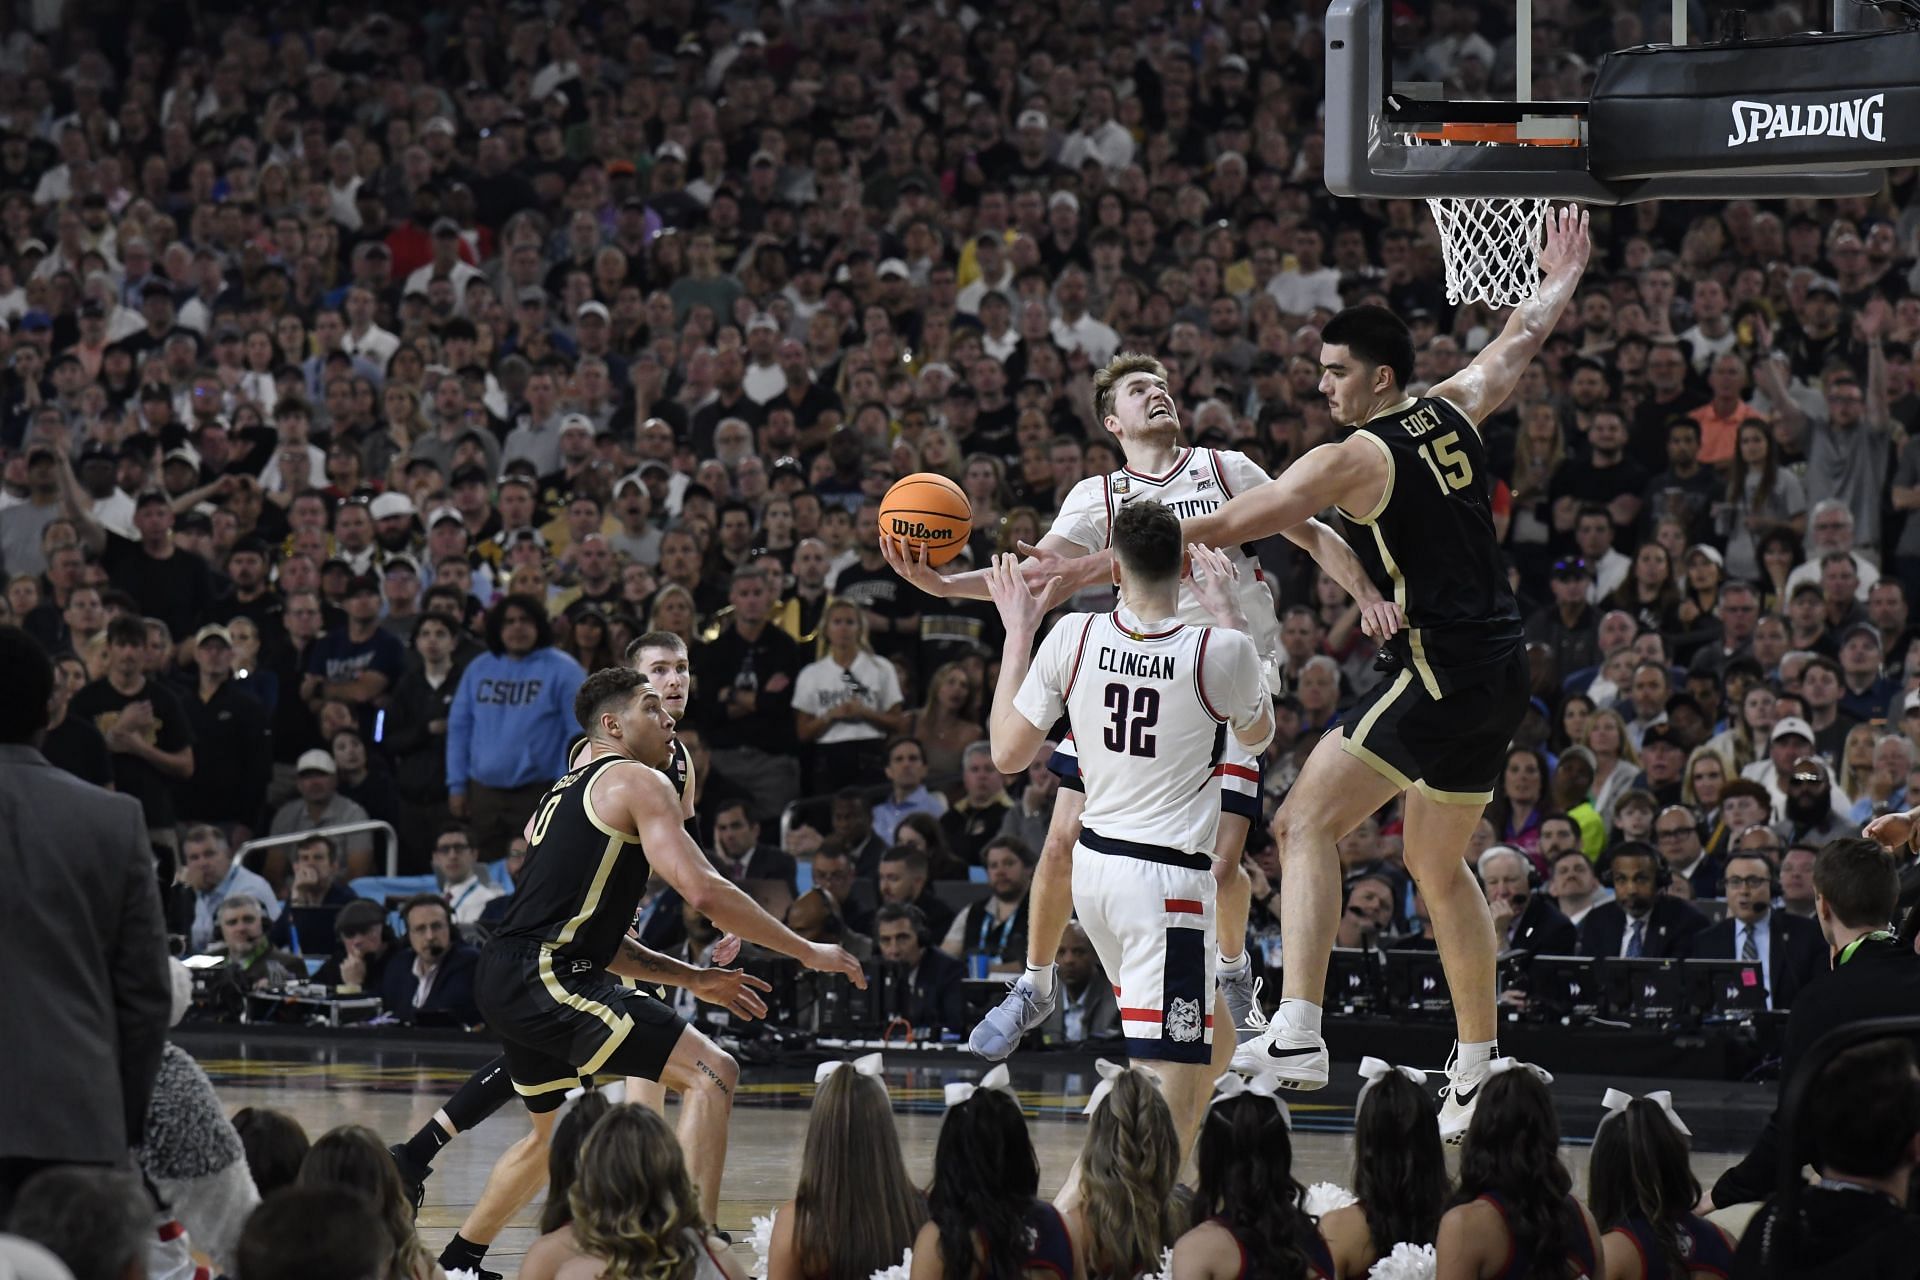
x,y
1473,1056
1301,1015
1041,980
1233,967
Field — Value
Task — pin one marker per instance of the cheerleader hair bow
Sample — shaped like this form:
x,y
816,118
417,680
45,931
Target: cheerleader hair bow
x,y
1500,1066
998,1078
1616,1100
868,1065
1110,1072
1233,1085
1374,1070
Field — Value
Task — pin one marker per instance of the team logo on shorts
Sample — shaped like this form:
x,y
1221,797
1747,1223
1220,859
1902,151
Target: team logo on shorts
x,y
1183,1021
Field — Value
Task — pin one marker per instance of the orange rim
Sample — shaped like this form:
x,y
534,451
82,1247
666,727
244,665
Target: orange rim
x,y
1489,134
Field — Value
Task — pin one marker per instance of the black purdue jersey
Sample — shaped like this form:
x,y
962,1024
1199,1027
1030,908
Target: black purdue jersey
x,y
679,772
1430,546
581,883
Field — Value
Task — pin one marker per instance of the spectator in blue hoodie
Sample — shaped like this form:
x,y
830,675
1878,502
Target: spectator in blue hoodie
x,y
508,728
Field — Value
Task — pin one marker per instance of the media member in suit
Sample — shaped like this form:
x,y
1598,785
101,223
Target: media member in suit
x,y
437,986
1874,975
938,1002
1086,1009
1524,918
85,946
1642,919
1790,949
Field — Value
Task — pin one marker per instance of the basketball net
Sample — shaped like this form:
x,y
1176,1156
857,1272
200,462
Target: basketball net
x,y
1491,247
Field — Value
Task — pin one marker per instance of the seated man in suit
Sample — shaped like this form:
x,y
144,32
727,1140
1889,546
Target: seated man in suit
x,y
737,852
438,986
1575,890
1086,1009
252,962
1643,919
1676,832
903,880
1790,951
937,1002
1524,918
318,864
1369,910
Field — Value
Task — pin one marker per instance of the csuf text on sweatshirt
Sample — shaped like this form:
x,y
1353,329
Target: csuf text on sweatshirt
x,y
511,720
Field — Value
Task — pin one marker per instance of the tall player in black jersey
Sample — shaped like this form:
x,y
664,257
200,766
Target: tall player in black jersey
x,y
548,980
1411,481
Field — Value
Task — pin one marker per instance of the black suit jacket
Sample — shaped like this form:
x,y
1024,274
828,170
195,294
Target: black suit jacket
x,y
939,1003
1880,980
1604,930
450,1000
1796,953
1542,930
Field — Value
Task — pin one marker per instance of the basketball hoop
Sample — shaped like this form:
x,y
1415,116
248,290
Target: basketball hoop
x,y
1491,245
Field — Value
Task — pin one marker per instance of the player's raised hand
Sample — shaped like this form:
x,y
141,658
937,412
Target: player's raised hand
x,y
1044,567
1020,608
909,560
1216,584
1568,243
735,990
726,951
824,957
1890,829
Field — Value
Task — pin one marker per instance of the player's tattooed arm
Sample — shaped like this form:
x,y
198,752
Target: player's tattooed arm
x,y
645,965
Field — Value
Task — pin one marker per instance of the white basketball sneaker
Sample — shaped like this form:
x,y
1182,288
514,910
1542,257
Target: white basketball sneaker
x,y
1459,1095
1295,1059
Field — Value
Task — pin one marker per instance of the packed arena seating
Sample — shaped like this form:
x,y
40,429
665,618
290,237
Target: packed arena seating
x,y
372,376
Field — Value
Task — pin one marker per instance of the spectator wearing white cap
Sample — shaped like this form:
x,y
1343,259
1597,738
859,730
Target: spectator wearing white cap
x,y
320,805
393,526
764,379
229,783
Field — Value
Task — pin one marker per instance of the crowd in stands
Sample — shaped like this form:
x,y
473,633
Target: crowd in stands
x,y
367,378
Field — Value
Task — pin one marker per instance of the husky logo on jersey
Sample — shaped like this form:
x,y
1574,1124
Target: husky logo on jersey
x,y
1183,1021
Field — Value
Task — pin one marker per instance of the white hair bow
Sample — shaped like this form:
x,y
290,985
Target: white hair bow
x,y
1500,1066
868,1066
1233,1085
1615,1101
1109,1072
998,1078
1373,1070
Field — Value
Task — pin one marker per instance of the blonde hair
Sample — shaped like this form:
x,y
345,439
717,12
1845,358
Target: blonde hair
x,y
1698,754
820,646
1106,385
1627,752
1128,1167
634,1207
1857,782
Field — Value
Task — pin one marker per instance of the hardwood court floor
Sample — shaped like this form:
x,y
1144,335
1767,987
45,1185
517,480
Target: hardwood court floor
x,y
769,1128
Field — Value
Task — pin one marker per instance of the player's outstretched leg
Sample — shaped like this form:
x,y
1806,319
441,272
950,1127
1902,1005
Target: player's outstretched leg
x,y
1437,833
1235,971
1334,792
705,1076
485,1092
1029,1002
515,1179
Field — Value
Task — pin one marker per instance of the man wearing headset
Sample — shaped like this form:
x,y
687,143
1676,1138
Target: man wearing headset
x,y
1643,919
1524,918
937,1002
1788,949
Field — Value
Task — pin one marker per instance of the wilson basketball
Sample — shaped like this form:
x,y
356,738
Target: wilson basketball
x,y
930,509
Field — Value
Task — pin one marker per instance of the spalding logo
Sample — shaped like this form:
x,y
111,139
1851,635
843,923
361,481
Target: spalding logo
x,y
920,531
1859,118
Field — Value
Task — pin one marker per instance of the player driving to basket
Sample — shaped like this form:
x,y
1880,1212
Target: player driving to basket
x,y
548,980
1132,400
1155,701
1412,483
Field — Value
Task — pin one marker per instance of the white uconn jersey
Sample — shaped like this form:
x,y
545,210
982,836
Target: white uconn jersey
x,y
1199,482
1151,715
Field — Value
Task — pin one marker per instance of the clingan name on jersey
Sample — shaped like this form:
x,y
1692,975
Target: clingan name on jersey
x,y
1128,662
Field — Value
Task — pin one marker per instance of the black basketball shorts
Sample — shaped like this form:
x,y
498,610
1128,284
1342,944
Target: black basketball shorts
x,y
562,1022
1450,748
